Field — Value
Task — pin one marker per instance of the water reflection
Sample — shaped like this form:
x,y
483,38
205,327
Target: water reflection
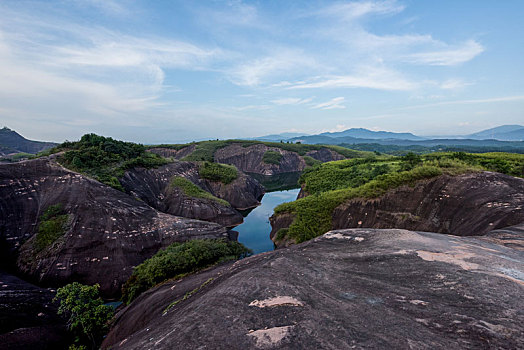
x,y
254,231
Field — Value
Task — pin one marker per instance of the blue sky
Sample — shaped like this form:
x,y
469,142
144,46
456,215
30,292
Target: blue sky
x,y
176,71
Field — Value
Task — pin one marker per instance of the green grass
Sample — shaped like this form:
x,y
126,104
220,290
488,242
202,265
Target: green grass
x,y
311,162
106,159
218,172
331,184
272,157
52,226
192,190
180,259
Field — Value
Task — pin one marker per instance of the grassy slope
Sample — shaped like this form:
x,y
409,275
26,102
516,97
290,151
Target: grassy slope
x,y
331,184
192,190
205,150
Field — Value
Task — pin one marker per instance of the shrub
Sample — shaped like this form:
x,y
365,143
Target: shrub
x,y
272,157
88,316
53,224
192,190
218,172
177,260
106,159
310,161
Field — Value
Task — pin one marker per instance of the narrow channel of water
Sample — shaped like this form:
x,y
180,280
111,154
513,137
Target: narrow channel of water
x,y
254,231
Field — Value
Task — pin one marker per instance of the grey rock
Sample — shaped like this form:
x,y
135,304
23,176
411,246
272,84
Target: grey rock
x,y
355,288
109,232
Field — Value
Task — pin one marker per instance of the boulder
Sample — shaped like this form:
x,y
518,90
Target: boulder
x,y
108,232
354,288
28,316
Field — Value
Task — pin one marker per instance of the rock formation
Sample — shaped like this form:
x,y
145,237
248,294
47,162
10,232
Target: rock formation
x,y
465,205
249,159
107,233
356,288
173,153
153,186
28,317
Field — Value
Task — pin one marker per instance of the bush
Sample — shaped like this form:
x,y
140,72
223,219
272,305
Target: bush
x,y
178,260
272,157
218,172
310,161
106,159
53,224
88,316
192,190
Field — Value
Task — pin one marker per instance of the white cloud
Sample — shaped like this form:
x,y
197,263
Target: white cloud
x,y
291,101
454,84
354,10
260,70
334,103
368,77
448,56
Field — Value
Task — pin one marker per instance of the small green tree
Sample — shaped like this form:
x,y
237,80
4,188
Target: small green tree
x,y
88,316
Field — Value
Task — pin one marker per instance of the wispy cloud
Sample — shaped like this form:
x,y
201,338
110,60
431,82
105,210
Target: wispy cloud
x,y
448,56
471,101
291,101
368,77
334,103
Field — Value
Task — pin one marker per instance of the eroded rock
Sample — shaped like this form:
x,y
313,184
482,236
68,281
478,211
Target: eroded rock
x,y
356,288
108,232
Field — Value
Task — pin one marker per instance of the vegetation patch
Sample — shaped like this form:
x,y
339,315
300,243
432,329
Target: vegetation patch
x,y
178,260
192,190
106,159
331,184
52,226
311,162
88,316
218,172
272,157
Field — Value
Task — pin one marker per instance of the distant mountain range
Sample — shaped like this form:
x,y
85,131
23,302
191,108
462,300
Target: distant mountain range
x,y
12,142
360,135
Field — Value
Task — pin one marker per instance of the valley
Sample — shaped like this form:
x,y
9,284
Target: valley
x,y
158,226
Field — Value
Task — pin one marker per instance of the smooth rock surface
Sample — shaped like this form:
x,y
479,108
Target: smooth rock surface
x,y
348,289
109,232
28,317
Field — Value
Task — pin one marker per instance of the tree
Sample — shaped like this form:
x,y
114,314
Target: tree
x,y
88,316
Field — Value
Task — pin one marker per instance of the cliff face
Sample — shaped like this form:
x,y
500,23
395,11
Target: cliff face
x,y
469,204
107,233
465,205
249,159
358,288
325,155
28,317
153,186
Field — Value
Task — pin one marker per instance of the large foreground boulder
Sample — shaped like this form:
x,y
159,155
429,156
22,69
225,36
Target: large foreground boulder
x,y
356,288
105,234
